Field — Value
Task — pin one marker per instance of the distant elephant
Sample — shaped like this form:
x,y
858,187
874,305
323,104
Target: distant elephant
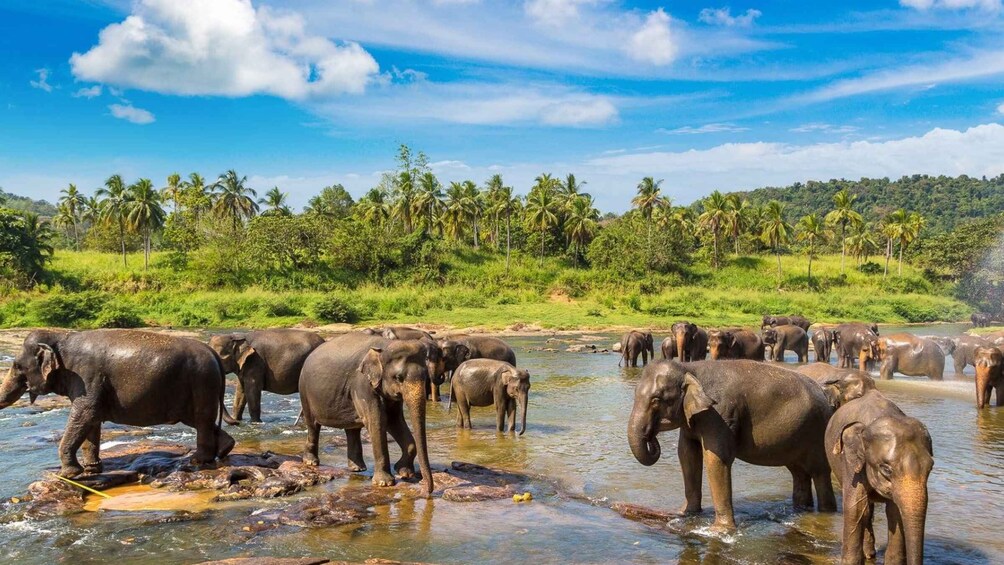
x,y
995,338
947,344
910,355
840,385
487,382
989,378
729,410
981,319
435,360
787,338
823,338
879,454
668,347
357,380
735,343
633,344
460,348
128,377
263,360
404,332
964,351
856,340
776,321
691,341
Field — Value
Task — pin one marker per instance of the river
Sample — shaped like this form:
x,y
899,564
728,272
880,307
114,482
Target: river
x,y
578,411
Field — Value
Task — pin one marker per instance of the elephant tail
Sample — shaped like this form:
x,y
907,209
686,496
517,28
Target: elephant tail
x,y
224,415
449,404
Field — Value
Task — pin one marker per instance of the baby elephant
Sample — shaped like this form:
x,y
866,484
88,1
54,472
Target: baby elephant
x,y
487,382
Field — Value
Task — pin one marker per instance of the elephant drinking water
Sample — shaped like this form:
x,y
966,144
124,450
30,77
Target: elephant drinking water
x,y
487,382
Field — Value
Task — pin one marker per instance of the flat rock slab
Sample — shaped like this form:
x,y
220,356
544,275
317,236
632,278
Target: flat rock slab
x,y
647,516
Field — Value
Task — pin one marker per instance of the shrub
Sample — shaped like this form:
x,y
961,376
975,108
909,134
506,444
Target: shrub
x,y
69,309
871,268
281,308
334,309
115,315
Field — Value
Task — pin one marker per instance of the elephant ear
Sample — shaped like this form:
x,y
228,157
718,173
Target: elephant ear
x,y
851,445
48,364
463,353
695,400
244,353
372,367
389,334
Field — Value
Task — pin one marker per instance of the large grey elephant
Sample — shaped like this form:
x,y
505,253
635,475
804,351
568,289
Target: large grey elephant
x,y
855,340
668,347
964,351
405,332
436,360
879,454
691,341
735,343
636,343
910,355
263,360
728,410
128,377
487,382
989,375
786,338
776,321
356,381
823,338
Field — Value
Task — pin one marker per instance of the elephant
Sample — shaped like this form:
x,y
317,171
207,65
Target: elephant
x,y
263,360
460,348
781,338
128,377
668,347
633,344
358,380
989,378
856,340
691,341
735,343
840,385
727,410
947,344
879,454
775,321
404,332
995,338
823,338
981,319
436,360
487,382
964,351
910,355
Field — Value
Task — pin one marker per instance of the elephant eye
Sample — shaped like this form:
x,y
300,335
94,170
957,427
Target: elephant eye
x,y
655,400
399,377
886,470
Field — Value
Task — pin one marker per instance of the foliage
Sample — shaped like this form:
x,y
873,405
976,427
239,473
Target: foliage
x,y
25,204
69,310
335,309
24,247
622,247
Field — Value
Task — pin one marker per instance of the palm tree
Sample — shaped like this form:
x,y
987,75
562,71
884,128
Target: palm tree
x,y
714,218
581,222
198,195
374,208
404,186
73,201
234,200
843,215
493,207
890,229
861,243
906,228
114,207
776,231
63,218
145,213
91,210
509,203
37,248
473,205
648,199
429,199
173,191
811,229
275,202
738,218
540,205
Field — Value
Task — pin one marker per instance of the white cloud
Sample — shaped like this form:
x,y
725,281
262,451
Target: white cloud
x,y
724,17
131,113
653,43
43,80
823,127
223,47
89,92
984,5
554,12
706,128
1000,109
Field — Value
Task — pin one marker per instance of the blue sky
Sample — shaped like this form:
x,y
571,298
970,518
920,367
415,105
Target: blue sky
x,y
306,93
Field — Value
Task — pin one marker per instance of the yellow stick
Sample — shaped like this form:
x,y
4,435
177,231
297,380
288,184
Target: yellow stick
x,y
85,487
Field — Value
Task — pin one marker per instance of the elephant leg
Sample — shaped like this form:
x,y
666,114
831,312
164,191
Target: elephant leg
x,y
398,428
240,401
205,441
354,447
89,451
826,500
718,458
857,520
376,423
310,449
224,442
887,369
644,357
938,372
511,414
464,407
78,426
689,453
801,490
959,363
869,537
997,391
895,551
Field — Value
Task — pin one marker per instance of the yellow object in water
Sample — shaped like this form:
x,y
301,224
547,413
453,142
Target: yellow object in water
x,y
517,498
527,497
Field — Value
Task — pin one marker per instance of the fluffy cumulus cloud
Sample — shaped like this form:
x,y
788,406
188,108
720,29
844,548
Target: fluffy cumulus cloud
x,y
43,80
653,42
130,113
88,92
1000,109
985,5
724,17
223,47
554,12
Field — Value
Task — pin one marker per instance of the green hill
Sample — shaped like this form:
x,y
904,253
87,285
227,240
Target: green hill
x,y
40,207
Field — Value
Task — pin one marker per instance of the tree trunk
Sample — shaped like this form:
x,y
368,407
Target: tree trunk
x,y
810,264
777,251
843,244
508,247
76,238
714,233
541,248
122,240
146,253
737,245
901,258
888,254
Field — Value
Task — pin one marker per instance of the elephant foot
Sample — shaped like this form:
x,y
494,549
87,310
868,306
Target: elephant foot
x,y
256,421
405,472
356,467
722,527
70,471
383,479
93,468
688,510
310,459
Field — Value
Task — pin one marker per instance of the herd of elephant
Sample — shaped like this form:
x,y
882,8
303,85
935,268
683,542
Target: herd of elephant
x,y
816,420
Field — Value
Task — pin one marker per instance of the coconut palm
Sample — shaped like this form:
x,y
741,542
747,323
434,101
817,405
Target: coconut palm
x,y
738,218
861,243
581,222
144,213
114,208
275,203
233,199
509,204
173,191
37,247
714,219
404,188
811,229
843,215
197,194
373,208
776,231
473,205
64,219
73,201
649,199
429,199
890,227
90,210
540,207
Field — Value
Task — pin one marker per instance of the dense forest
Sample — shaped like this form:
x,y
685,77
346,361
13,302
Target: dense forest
x,y
25,204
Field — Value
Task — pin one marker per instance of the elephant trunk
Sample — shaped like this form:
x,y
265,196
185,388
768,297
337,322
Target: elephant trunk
x,y
863,357
642,436
912,502
522,402
11,389
415,400
681,345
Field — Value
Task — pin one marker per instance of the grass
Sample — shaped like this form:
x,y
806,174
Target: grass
x,y
95,289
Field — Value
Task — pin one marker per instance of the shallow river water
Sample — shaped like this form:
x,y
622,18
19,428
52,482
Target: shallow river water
x,y
579,405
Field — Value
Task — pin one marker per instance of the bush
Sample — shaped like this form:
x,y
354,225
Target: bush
x,y
334,309
282,308
118,316
69,310
871,268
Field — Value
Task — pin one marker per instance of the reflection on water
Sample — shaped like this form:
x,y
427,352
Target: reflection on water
x,y
575,438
